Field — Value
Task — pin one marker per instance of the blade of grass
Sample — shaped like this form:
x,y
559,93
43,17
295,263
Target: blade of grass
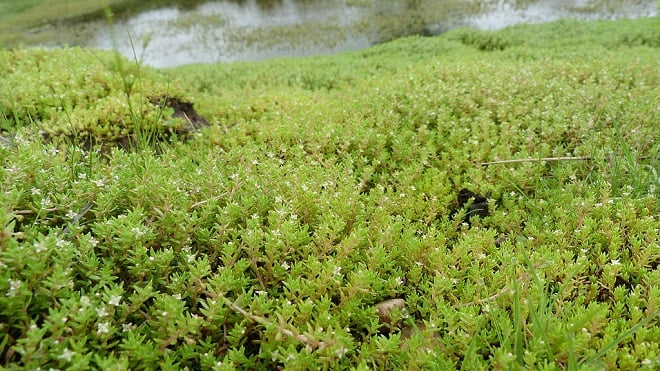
x,y
517,324
624,335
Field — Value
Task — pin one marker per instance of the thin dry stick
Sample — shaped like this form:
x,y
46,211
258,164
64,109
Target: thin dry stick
x,y
504,291
311,344
578,158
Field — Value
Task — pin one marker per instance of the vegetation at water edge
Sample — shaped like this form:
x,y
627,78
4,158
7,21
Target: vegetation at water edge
x,y
326,216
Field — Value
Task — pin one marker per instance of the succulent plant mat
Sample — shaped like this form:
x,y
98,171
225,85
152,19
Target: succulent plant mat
x,y
474,200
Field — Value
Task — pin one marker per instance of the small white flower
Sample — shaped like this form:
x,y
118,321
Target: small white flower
x,y
46,203
40,247
20,140
137,231
337,271
177,296
66,355
286,266
260,292
191,257
35,191
71,214
99,183
101,312
84,301
399,281
115,300
126,327
615,262
341,352
102,328
93,241
61,243
14,285
82,176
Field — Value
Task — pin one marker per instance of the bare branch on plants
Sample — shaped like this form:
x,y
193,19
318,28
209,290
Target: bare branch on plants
x,y
311,344
542,159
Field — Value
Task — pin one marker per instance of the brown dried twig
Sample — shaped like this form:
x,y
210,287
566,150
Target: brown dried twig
x,y
548,159
552,159
311,344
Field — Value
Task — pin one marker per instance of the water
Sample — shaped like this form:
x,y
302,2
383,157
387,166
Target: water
x,y
228,31
248,30
502,13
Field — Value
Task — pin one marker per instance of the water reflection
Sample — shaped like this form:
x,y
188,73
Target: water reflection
x,y
230,31
503,13
251,30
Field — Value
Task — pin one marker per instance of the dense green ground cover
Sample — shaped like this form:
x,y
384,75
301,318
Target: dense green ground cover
x,y
326,186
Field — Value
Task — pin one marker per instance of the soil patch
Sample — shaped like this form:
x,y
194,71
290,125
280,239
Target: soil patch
x,y
184,110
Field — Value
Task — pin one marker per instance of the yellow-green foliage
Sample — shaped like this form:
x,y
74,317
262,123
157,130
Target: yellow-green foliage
x,y
327,186
465,97
82,93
